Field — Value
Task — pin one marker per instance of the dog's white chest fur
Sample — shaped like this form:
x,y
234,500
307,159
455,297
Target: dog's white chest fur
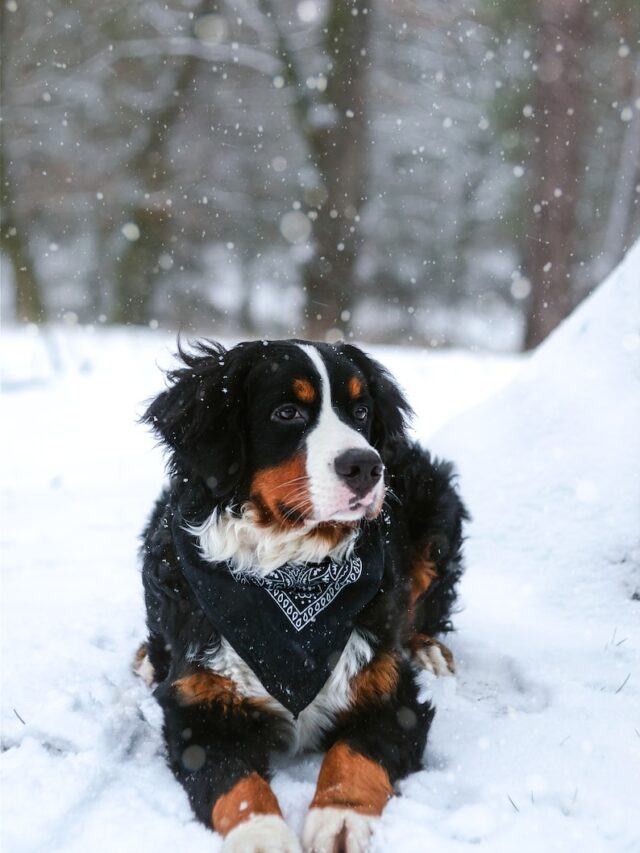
x,y
320,714
240,539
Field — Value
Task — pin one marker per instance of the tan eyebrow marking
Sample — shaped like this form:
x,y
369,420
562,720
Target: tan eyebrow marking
x,y
355,387
304,390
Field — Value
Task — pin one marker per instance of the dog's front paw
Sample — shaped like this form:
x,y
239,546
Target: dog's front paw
x,y
334,830
143,667
432,655
261,834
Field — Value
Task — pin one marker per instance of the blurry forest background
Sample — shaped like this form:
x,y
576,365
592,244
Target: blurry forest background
x,y
428,171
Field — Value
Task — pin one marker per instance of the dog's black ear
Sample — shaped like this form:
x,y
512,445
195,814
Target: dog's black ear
x,y
391,410
199,416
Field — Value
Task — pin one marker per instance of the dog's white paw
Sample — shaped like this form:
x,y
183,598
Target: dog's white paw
x,y
143,668
333,830
431,657
261,834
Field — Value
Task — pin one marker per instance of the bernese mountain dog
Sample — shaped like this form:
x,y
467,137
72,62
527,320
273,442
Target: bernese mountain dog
x,y
297,570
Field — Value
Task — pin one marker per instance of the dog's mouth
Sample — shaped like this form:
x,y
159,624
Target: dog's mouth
x,y
356,509
367,510
371,510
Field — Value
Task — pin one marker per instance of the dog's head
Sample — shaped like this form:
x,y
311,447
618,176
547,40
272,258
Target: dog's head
x,y
298,429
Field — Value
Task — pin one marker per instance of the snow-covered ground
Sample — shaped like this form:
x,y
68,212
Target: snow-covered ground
x,y
536,741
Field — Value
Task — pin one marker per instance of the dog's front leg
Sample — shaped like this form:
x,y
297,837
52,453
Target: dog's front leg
x,y
377,742
219,744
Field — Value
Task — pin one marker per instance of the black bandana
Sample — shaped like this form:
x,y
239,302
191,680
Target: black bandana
x,y
291,626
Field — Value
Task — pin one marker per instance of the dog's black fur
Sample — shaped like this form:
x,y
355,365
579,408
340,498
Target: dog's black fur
x,y
211,419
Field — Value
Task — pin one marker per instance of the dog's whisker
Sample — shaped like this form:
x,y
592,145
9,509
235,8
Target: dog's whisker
x,y
300,491
389,493
294,480
290,500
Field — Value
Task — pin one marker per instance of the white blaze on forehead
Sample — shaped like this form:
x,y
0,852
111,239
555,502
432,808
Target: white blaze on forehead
x,y
328,439
329,427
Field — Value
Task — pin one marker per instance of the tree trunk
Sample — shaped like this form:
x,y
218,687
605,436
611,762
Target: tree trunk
x,y
136,269
137,266
29,303
340,154
623,188
559,125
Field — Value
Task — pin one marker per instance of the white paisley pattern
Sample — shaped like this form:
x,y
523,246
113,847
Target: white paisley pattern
x,y
304,591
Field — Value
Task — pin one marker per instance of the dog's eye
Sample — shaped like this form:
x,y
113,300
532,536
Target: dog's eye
x,y
361,413
287,413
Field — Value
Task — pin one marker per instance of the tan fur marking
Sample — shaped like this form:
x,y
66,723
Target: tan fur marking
x,y
355,387
285,484
422,574
250,796
304,390
208,688
377,680
332,534
348,780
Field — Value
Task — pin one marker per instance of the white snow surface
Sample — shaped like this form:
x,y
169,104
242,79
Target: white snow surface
x,y
536,741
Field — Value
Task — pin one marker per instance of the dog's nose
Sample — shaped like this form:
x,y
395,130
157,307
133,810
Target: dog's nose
x,y
360,470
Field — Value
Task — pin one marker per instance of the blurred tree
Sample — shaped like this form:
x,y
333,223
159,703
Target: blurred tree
x,y
339,142
148,229
559,121
332,118
618,233
14,235
568,118
436,237
14,245
283,165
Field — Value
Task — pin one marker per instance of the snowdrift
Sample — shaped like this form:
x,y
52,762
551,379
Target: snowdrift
x,y
550,465
536,741
541,744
